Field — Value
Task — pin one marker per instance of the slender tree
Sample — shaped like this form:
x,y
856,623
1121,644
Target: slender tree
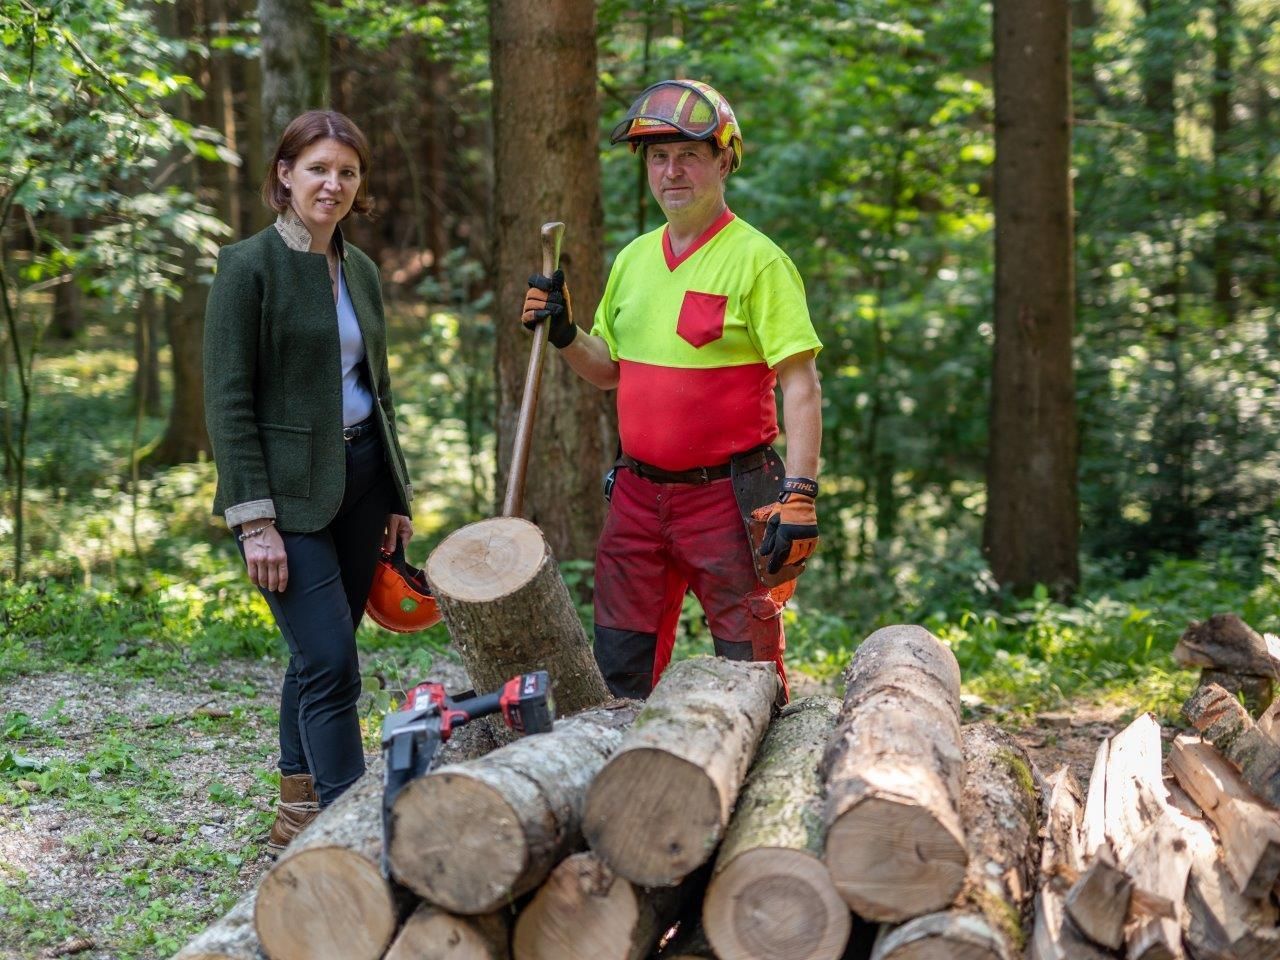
x,y
295,63
1032,522
546,167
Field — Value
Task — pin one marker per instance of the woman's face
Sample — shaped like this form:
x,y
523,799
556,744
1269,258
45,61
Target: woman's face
x,y
322,183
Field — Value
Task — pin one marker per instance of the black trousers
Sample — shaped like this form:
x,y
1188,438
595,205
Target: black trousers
x,y
330,572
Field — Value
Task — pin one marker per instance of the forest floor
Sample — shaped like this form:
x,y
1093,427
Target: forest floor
x,y
149,799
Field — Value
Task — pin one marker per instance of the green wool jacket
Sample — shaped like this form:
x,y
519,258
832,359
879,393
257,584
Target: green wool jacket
x,y
273,379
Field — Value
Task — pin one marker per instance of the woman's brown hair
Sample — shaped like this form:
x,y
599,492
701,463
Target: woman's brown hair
x,y
304,130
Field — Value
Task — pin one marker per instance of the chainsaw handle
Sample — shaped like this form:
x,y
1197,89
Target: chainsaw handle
x,y
513,502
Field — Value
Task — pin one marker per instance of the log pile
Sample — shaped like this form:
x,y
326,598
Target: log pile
x,y
707,824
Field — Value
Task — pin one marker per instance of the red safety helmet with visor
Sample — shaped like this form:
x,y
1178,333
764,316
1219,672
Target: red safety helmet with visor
x,y
681,110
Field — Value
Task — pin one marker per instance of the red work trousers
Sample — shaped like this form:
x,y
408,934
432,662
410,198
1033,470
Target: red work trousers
x,y
659,540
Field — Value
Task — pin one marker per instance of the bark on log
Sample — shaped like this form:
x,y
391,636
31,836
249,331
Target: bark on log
x,y
770,893
1225,642
1055,937
895,843
1226,724
432,934
999,804
585,911
1222,924
326,899
472,837
231,938
660,805
509,612
1256,691
1248,830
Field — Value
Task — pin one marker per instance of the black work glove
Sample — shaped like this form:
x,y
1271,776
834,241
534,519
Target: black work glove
x,y
548,299
791,531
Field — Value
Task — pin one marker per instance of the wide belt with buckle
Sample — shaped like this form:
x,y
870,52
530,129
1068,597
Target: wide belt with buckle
x,y
356,431
746,461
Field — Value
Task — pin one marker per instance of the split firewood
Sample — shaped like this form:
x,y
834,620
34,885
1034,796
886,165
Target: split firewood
x,y
471,837
231,938
895,842
770,893
1248,830
1093,822
432,934
1255,692
1098,902
1226,724
1221,923
586,911
1269,722
1056,937
326,898
660,805
999,804
509,612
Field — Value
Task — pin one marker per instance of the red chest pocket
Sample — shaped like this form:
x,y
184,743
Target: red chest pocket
x,y
701,317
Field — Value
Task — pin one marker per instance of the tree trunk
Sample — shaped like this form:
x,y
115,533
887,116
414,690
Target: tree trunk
x,y
509,611
431,934
231,938
1055,937
585,911
895,845
660,805
770,893
1031,535
1223,254
295,64
1000,821
472,837
546,168
326,899
1226,724
146,351
1249,832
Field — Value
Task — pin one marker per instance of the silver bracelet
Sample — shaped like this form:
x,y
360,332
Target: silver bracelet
x,y
256,532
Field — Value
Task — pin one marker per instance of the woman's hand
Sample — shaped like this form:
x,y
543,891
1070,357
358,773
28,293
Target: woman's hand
x,y
398,528
265,558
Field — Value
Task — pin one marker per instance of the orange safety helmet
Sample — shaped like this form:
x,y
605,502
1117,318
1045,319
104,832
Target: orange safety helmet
x,y
681,110
400,598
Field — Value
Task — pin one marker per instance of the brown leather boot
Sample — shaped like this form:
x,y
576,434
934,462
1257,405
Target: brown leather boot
x,y
298,806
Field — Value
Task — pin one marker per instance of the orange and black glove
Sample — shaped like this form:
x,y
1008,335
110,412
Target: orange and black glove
x,y
548,299
791,529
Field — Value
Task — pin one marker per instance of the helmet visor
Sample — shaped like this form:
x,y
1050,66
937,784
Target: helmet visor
x,y
668,109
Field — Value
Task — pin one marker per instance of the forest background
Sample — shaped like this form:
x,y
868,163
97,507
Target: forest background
x,y
133,145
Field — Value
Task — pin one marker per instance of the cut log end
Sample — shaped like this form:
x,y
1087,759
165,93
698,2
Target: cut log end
x,y
675,800
891,860
487,560
772,902
433,835
432,934
334,894
583,912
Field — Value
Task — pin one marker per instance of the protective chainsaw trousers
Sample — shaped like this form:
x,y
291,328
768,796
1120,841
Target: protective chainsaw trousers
x,y
330,572
660,540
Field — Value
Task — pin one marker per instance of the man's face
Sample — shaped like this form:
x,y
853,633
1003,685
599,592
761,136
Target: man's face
x,y
686,176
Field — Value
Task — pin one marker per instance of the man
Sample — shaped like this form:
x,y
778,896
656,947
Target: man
x,y
698,322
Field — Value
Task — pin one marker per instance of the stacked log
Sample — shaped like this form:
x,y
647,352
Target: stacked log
x,y
895,841
657,809
231,938
1233,655
1227,725
770,893
432,934
471,837
999,808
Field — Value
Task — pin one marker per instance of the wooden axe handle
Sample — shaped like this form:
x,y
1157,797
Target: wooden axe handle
x,y
513,502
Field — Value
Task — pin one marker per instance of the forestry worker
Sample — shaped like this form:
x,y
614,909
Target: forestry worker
x,y
700,319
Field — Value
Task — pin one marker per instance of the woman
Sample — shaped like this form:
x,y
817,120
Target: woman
x,y
310,472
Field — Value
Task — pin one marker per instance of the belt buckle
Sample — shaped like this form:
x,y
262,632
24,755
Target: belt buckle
x,y
705,476
350,433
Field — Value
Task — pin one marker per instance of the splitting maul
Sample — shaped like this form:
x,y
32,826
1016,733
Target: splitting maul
x,y
412,735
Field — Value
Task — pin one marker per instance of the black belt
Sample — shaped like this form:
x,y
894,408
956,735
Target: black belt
x,y
358,430
751,460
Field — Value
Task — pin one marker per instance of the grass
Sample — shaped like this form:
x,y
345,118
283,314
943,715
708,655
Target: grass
x,y
156,595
